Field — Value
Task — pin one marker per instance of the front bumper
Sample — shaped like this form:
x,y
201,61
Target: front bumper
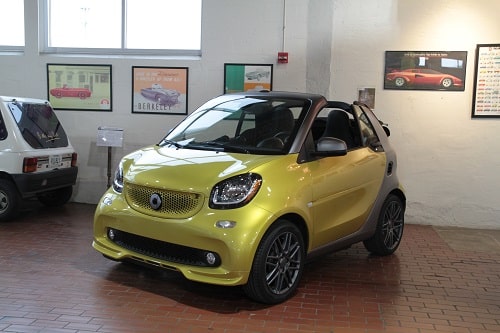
x,y
181,244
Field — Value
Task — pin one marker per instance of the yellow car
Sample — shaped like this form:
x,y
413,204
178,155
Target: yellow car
x,y
250,186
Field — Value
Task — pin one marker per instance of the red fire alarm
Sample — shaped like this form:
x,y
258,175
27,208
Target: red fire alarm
x,y
282,57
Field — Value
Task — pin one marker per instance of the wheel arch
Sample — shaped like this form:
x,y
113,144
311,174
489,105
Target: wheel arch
x,y
398,192
7,176
299,222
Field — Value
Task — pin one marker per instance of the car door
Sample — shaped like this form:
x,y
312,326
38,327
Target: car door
x,y
344,188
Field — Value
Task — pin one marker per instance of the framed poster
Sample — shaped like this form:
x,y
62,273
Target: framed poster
x,y
425,70
159,90
486,97
247,77
367,96
79,87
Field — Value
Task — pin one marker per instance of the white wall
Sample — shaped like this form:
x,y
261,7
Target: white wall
x,y
447,161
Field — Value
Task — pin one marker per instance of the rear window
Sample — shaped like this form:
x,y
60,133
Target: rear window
x,y
39,125
3,130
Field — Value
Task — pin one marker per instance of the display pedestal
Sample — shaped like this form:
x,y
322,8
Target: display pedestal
x,y
109,137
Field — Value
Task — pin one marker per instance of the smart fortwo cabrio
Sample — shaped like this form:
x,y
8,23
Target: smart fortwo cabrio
x,y
250,186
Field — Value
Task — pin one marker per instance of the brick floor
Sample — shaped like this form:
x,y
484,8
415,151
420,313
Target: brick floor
x,y
51,280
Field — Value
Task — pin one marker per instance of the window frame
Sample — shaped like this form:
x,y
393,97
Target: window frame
x,y
17,48
46,49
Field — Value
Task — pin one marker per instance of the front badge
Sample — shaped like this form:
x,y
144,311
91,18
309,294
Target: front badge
x,y
155,201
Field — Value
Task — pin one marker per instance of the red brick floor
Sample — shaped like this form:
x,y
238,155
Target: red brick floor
x,y
51,280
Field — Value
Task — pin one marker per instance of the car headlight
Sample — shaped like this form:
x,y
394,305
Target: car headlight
x,y
118,180
235,192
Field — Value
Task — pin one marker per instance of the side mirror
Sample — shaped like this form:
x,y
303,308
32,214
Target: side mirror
x,y
329,146
386,130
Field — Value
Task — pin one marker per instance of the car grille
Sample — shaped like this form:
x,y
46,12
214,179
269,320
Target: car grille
x,y
162,250
175,204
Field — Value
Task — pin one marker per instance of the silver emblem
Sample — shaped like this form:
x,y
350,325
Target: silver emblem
x,y
155,201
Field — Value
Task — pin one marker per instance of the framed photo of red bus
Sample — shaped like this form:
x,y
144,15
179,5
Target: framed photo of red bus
x,y
79,87
160,90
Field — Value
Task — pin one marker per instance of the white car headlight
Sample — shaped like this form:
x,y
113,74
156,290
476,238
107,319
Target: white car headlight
x,y
118,180
235,192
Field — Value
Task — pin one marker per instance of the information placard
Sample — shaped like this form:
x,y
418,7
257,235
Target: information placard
x,y
109,136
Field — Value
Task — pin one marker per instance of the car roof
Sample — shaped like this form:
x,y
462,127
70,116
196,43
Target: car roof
x,y
281,94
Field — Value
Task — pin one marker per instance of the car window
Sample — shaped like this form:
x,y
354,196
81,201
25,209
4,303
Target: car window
x,y
3,130
368,134
38,124
337,123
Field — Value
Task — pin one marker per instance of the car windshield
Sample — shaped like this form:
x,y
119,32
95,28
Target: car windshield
x,y
39,125
255,125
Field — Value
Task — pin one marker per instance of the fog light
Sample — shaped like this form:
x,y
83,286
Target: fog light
x,y
224,224
111,234
211,258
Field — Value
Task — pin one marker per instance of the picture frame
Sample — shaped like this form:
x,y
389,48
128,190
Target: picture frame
x,y
160,90
366,95
83,87
425,70
247,77
486,93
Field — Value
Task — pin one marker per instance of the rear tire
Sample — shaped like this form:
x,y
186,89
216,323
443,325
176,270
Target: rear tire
x,y
390,226
57,197
447,83
9,200
278,264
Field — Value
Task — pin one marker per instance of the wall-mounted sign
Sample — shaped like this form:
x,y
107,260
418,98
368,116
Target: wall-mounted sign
x,y
486,97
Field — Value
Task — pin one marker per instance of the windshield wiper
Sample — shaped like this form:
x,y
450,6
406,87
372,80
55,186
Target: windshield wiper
x,y
165,142
220,146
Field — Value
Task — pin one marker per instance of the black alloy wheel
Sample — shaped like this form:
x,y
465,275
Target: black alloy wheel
x,y
278,264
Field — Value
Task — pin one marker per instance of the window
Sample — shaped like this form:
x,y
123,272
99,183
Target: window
x,y
368,134
39,125
3,130
12,22
163,27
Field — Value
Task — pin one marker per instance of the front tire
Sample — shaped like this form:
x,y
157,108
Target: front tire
x,y
278,264
57,197
390,226
9,200
399,82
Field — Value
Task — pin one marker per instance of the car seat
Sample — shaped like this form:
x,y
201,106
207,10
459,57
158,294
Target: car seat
x,y
338,126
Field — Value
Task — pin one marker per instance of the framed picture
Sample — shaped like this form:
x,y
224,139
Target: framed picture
x,y
159,90
486,96
425,70
79,87
245,77
367,96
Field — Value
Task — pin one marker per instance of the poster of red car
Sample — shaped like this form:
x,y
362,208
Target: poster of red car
x,y
79,87
425,70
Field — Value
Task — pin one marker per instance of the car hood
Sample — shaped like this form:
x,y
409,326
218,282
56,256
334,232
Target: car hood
x,y
186,169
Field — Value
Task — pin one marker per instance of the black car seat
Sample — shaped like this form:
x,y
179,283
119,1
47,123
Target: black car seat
x,y
278,126
338,126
